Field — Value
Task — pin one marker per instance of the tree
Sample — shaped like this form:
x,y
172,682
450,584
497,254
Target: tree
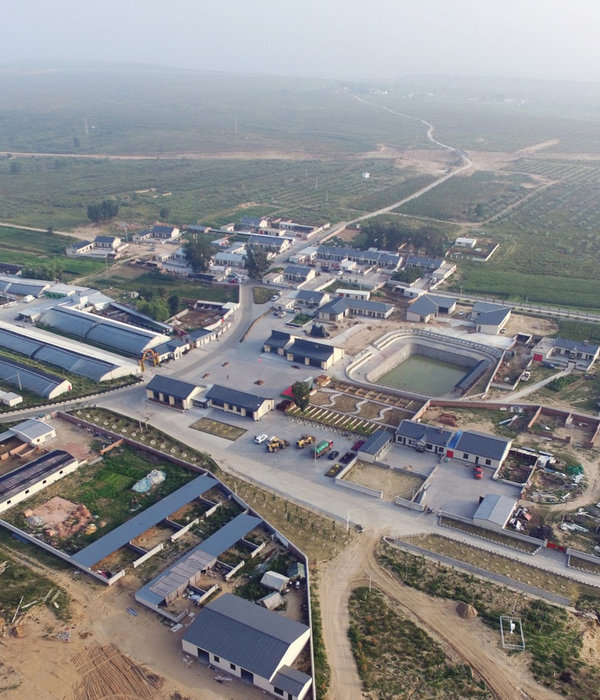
x,y
257,263
164,213
301,393
174,303
49,230
106,210
198,253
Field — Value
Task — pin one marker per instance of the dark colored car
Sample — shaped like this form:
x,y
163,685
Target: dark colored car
x,y
348,457
357,445
333,454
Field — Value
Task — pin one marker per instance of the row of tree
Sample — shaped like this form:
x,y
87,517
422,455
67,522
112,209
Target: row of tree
x,y
390,235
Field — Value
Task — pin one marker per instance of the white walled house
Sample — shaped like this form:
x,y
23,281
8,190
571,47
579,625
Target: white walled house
x,y
251,643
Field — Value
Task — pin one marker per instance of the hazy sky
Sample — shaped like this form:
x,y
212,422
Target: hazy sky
x,y
325,38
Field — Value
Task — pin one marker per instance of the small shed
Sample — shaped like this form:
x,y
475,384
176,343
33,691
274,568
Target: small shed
x,y
274,581
494,512
271,601
375,446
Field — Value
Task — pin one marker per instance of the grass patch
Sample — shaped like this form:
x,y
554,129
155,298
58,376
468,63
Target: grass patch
x,y
218,428
19,580
105,488
506,566
553,637
395,658
261,295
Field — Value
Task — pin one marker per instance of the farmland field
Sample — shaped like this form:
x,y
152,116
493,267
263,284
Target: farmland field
x,y
30,248
473,198
211,149
211,191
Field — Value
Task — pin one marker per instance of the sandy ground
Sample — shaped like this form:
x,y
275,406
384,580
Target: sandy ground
x,y
127,656
391,482
466,641
518,323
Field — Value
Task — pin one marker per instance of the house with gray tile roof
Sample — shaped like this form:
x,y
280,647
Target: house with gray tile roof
x,y
422,437
172,392
480,449
239,402
341,307
251,643
375,446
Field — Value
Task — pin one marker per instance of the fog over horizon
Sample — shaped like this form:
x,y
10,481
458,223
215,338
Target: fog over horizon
x,y
347,39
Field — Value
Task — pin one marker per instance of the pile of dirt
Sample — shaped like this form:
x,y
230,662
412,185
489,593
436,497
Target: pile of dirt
x,y
466,611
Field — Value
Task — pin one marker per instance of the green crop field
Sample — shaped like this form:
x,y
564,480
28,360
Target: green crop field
x,y
211,191
31,248
472,198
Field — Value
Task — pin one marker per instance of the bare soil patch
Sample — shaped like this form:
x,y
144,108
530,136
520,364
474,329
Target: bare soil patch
x,y
393,483
55,511
218,428
520,323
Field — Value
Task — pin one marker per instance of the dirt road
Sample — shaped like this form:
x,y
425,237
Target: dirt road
x,y
464,641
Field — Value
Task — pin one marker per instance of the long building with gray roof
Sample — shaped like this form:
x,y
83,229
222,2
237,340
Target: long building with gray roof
x,y
32,379
97,330
85,365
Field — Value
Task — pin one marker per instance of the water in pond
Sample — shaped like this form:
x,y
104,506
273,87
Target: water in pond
x,y
424,375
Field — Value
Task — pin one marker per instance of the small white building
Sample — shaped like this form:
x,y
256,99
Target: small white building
x,y
33,431
275,581
462,242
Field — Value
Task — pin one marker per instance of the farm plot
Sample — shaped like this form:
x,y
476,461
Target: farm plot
x,y
392,482
104,489
473,198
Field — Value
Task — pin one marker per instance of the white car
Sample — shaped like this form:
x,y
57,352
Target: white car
x,y
259,439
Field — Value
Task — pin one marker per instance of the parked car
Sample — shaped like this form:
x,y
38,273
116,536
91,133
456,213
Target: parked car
x,y
333,455
259,439
357,445
348,457
478,473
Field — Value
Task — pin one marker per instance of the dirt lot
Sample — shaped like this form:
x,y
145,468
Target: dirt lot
x,y
111,654
71,438
519,323
393,483
468,641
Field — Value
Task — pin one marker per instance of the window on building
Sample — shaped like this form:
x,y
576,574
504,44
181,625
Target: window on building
x,y
277,691
232,667
488,462
465,455
216,658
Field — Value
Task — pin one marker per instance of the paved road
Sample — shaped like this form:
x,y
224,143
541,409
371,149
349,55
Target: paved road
x,y
484,573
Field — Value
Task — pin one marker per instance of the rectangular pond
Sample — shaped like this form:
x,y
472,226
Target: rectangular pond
x,y
424,375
